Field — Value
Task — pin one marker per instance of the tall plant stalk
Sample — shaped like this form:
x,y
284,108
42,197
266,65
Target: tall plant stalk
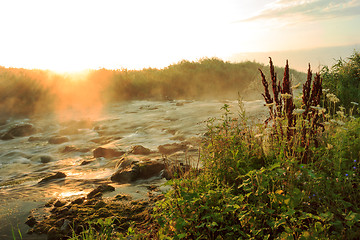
x,y
281,111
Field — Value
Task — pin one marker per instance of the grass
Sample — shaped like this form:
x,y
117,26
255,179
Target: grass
x,y
16,233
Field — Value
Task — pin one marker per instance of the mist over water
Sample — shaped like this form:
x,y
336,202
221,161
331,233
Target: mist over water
x,y
52,123
31,92
24,161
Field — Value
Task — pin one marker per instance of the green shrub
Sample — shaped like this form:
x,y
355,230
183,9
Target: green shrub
x,y
343,79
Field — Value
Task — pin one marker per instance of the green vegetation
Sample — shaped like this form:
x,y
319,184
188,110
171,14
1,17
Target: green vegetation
x,y
343,79
295,177
15,233
24,92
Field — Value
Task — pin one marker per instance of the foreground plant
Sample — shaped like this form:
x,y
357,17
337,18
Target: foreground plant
x,y
303,121
291,178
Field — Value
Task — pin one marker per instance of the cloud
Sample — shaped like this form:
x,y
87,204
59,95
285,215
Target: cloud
x,y
307,10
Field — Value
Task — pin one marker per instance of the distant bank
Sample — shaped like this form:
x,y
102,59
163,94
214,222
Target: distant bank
x,y
299,59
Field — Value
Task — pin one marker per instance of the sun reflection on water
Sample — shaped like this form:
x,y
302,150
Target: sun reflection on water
x,y
67,194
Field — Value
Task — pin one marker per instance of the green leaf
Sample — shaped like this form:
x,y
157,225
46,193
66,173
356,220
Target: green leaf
x,y
319,227
180,223
181,235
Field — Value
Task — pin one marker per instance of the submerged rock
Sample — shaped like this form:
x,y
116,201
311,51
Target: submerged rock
x,y
101,189
58,175
121,197
46,159
167,149
150,169
131,171
101,140
21,130
33,139
59,203
126,175
71,148
140,150
58,140
107,152
31,221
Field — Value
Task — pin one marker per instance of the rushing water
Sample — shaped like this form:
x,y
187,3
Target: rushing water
x,y
24,161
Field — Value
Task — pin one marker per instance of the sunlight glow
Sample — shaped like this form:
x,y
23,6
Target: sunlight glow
x,y
71,36
67,194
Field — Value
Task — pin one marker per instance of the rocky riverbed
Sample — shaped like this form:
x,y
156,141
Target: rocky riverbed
x,y
64,157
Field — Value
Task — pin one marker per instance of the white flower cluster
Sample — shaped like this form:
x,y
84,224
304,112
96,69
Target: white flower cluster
x,y
332,97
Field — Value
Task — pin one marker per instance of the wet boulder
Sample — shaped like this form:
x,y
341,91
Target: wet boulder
x,y
42,158
150,169
140,150
58,175
130,172
168,149
100,190
59,203
85,162
72,148
127,161
31,221
34,139
101,140
45,159
58,140
20,130
126,175
107,152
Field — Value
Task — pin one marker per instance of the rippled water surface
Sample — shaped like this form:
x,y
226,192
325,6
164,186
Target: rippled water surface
x,y
24,161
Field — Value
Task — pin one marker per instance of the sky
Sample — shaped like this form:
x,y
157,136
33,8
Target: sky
x,y
135,34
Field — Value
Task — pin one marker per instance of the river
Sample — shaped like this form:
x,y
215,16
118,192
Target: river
x,y
64,142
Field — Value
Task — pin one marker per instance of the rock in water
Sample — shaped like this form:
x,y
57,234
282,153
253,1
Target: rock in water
x,y
167,149
126,175
107,152
46,159
58,175
58,139
31,221
19,131
140,150
136,171
101,189
150,169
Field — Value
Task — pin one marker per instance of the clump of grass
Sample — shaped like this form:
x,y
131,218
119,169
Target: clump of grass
x,y
16,233
294,177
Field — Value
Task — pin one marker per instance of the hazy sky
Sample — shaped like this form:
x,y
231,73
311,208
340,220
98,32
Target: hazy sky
x,y
74,35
